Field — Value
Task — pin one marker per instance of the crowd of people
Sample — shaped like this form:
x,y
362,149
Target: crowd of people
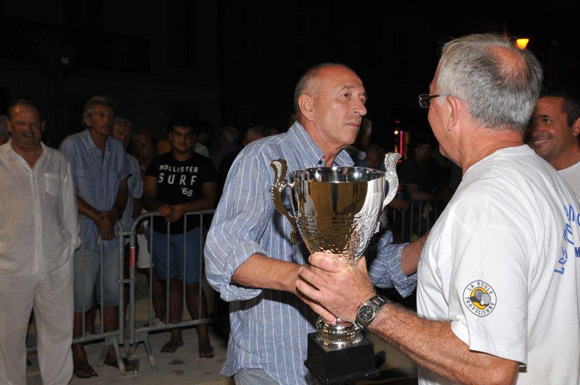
x,y
496,278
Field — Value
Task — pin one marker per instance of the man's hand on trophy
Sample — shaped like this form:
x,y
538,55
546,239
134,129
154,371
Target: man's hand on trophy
x,y
317,307
336,288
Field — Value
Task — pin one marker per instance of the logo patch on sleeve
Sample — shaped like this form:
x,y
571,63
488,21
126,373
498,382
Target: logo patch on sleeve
x,y
479,298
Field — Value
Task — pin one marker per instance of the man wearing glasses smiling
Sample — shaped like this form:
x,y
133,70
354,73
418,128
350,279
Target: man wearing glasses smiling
x,y
497,293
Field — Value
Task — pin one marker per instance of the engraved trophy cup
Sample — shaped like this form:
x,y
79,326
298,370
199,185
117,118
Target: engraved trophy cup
x,y
337,210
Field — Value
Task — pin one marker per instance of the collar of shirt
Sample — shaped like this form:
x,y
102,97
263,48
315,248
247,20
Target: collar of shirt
x,y
90,143
8,150
311,151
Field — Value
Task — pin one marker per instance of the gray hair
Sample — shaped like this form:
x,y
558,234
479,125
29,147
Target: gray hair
x,y
499,82
96,101
230,134
261,131
309,82
123,122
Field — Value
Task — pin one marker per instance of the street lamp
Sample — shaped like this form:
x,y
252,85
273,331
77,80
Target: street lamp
x,y
522,43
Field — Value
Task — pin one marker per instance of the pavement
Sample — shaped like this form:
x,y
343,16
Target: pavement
x,y
186,367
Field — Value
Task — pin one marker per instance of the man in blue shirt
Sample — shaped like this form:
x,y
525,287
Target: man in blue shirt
x,y
249,257
99,169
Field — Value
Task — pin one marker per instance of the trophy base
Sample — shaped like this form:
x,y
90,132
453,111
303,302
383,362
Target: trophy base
x,y
342,366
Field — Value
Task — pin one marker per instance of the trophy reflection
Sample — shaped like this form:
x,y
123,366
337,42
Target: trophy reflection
x,y
337,210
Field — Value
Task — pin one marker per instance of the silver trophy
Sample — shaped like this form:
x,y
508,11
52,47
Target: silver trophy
x,y
336,210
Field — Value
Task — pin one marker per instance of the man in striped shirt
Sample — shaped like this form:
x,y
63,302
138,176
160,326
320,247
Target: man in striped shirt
x,y
249,257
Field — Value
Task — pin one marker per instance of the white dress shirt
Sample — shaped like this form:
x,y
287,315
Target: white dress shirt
x,y
38,213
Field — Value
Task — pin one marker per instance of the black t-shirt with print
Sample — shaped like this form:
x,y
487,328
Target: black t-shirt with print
x,y
180,182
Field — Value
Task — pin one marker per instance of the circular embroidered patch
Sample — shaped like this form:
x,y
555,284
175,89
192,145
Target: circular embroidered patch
x,y
479,298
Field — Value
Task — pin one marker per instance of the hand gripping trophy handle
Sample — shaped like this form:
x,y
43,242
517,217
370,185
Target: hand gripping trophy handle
x,y
280,167
391,160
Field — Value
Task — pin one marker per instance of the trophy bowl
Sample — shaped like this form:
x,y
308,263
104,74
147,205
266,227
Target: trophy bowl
x,y
336,210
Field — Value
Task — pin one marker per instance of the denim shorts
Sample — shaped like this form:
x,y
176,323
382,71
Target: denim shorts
x,y
92,278
182,247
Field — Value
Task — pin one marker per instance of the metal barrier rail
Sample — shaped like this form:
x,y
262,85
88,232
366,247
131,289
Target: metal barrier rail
x,y
112,338
416,221
136,335
139,335
406,226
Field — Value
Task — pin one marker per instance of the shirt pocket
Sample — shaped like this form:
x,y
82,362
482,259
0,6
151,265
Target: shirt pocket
x,y
87,184
52,183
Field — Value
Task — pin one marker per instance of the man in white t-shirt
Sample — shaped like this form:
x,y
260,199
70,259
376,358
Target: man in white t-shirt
x,y
554,132
497,295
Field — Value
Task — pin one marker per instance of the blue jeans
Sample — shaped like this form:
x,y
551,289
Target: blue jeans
x,y
182,247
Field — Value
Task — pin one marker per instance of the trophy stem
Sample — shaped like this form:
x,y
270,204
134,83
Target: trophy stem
x,y
338,336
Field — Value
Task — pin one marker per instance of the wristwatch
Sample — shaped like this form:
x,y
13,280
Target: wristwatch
x,y
367,312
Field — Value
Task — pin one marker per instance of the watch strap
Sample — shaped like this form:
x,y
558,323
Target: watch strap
x,y
376,303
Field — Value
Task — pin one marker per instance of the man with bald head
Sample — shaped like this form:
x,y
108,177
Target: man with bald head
x,y
497,296
38,235
250,259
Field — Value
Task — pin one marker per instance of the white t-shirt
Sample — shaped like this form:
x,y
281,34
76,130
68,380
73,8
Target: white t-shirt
x,y
572,176
501,264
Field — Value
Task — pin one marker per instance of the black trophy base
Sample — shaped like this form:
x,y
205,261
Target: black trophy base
x,y
343,366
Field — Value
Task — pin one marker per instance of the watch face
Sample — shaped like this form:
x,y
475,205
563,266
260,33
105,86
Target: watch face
x,y
366,313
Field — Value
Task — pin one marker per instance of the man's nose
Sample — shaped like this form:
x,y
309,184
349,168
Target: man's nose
x,y
360,108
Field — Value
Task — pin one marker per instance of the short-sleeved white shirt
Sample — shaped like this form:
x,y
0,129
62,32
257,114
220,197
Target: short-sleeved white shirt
x,y
572,176
501,264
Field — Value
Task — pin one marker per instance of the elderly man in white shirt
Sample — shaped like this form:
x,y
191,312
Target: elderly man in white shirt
x,y
38,235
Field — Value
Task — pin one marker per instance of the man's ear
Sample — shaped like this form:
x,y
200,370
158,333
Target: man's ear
x,y
42,126
306,105
576,127
452,108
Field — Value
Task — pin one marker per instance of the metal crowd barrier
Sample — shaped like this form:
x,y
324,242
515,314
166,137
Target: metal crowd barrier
x,y
406,226
112,338
140,334
137,334
416,221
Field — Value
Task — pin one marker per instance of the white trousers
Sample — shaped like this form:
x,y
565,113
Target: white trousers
x,y
51,297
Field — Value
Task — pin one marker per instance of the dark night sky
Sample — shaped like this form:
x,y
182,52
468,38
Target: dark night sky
x,y
393,46
396,46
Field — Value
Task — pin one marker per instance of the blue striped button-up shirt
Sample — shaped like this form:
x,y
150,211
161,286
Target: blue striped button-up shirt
x,y
96,180
269,328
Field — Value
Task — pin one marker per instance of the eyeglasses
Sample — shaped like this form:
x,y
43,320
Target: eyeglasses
x,y
425,99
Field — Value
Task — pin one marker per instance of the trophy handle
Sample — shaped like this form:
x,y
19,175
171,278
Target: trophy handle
x,y
280,184
391,160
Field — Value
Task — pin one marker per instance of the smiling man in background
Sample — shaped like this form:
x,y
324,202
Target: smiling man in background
x,y
554,132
